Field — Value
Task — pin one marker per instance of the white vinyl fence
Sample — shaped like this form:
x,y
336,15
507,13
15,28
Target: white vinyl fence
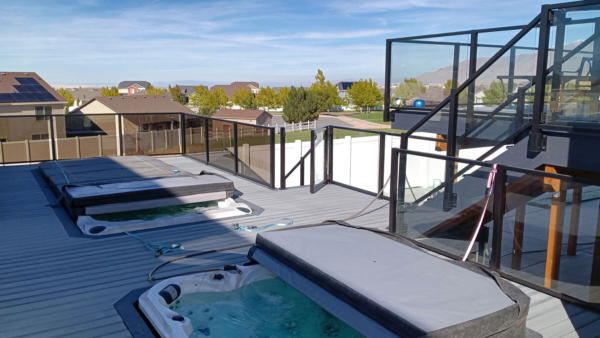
x,y
300,126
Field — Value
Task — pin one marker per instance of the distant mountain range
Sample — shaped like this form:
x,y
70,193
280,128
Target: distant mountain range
x,y
524,66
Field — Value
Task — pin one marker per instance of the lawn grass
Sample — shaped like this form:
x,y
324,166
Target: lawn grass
x,y
376,117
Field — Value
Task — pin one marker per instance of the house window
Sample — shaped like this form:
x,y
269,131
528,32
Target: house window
x,y
42,113
36,137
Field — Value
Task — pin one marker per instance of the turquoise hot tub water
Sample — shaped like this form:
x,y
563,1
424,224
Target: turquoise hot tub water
x,y
266,308
155,213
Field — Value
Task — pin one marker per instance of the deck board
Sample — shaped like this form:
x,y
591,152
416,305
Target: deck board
x,y
53,285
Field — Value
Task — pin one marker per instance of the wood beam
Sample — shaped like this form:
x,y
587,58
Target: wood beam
x,y
557,218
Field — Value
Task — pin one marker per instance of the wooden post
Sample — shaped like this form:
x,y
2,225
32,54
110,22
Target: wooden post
x,y
517,250
167,138
557,219
1,154
574,225
77,147
100,145
152,140
27,150
191,135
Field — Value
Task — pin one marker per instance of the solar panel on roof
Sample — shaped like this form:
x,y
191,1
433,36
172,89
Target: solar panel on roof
x,y
38,96
38,88
48,97
6,98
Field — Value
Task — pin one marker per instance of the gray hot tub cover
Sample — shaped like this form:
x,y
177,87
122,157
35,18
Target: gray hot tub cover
x,y
406,290
109,180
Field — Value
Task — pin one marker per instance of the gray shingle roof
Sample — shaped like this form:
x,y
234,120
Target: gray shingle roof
x,y
127,84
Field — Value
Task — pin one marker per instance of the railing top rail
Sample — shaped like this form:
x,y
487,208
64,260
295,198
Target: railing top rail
x,y
138,114
527,171
367,130
439,35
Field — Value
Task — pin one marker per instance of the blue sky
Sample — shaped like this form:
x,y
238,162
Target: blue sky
x,y
93,42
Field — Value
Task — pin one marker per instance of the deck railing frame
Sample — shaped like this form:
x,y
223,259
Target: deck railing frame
x,y
396,200
268,131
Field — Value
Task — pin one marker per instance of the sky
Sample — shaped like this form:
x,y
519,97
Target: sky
x,y
275,43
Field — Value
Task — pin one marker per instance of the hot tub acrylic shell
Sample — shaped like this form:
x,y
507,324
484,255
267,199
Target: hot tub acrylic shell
x,y
227,208
157,310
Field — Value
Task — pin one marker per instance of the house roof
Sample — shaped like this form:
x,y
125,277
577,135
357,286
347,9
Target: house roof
x,y
140,104
188,90
127,84
345,85
240,114
234,86
85,93
30,88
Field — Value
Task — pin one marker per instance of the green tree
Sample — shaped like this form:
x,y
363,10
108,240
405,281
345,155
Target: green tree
x,y
151,90
365,94
494,94
300,106
462,96
67,96
410,89
208,103
325,92
244,99
177,94
112,91
266,98
282,96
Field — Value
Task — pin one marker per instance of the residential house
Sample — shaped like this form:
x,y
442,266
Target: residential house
x,y
234,86
252,116
132,87
343,87
83,95
187,91
27,94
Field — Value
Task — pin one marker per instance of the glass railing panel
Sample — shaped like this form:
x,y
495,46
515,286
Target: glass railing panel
x,y
297,145
151,134
573,86
550,234
437,125
254,153
425,68
221,145
489,43
500,101
445,218
195,137
356,158
24,139
82,136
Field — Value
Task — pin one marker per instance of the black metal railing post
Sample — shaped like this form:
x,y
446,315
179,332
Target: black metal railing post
x,y
498,214
313,137
394,190
381,178
206,139
302,172
272,156
329,154
535,140
235,149
449,196
182,135
282,158
52,140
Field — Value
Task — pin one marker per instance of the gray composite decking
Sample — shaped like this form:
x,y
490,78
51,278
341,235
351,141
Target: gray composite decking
x,y
53,285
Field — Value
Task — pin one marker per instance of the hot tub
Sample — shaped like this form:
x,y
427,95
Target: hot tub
x,y
242,301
